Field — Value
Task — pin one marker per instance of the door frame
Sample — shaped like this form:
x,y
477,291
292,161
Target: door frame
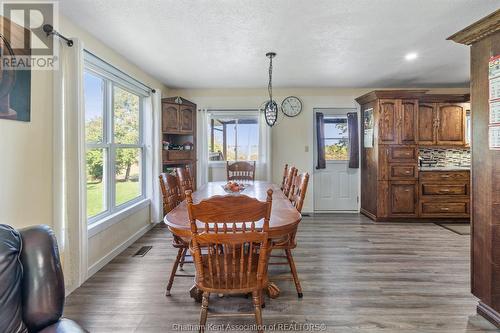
x,y
335,111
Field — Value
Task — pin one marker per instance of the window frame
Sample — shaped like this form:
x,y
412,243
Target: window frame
x,y
236,114
109,146
326,118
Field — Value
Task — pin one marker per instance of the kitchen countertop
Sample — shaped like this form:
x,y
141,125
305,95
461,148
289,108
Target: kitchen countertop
x,y
447,168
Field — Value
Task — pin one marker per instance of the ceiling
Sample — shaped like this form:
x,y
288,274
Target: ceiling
x,y
320,43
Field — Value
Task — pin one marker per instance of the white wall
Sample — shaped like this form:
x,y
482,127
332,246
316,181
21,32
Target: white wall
x,y
26,151
293,136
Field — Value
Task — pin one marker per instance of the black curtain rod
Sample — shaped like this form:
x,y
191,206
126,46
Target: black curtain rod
x,y
49,30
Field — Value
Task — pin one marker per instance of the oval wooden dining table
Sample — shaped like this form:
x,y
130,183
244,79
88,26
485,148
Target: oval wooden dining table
x,y
284,217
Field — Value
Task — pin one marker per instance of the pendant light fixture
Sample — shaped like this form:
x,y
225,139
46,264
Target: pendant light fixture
x,y
271,107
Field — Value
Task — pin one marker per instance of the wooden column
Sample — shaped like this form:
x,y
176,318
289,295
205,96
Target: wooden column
x,y
484,38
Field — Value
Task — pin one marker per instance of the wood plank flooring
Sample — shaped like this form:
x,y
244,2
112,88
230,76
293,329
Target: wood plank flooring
x,y
357,276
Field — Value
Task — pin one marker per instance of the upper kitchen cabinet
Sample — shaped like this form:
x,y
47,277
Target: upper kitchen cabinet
x,y
450,124
398,121
179,116
443,123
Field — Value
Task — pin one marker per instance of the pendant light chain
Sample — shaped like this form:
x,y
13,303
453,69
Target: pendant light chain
x,y
270,85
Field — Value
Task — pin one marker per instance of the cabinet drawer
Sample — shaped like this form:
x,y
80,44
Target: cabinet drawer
x,y
445,189
403,171
177,155
445,208
444,175
402,154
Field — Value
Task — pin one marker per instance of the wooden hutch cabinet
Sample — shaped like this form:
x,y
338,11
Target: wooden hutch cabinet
x,y
179,131
404,120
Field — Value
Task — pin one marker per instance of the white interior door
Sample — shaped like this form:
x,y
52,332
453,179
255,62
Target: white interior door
x,y
336,188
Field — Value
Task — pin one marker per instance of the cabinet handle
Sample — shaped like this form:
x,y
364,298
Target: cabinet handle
x,y
445,176
445,208
444,190
408,172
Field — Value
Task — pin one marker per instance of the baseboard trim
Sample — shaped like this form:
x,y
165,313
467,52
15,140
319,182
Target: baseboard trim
x,y
489,313
368,214
117,250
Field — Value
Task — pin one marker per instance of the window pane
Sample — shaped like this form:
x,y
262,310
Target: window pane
x,y
336,138
126,116
248,140
96,191
128,174
242,138
94,107
336,149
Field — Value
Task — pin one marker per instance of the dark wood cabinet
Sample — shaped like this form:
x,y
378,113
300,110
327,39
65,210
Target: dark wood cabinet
x,y
404,120
179,130
450,128
444,194
398,121
388,115
178,119
186,121
408,116
170,117
403,198
427,124
441,124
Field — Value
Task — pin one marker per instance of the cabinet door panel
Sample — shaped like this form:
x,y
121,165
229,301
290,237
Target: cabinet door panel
x,y
388,111
170,118
451,124
403,198
426,129
186,118
409,120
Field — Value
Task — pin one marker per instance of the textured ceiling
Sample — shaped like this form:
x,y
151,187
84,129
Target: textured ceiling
x,y
320,43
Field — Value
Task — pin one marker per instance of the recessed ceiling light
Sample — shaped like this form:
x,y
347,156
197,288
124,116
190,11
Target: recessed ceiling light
x,y
411,56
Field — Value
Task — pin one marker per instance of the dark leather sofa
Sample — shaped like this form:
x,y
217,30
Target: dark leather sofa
x,y
31,282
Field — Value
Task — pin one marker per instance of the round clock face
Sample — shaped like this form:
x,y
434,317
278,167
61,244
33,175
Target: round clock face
x,y
291,106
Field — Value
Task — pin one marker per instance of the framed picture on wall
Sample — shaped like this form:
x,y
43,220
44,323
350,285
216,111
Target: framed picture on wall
x,y
368,128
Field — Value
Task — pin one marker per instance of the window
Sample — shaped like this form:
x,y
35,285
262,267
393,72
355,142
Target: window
x,y
114,142
336,138
234,137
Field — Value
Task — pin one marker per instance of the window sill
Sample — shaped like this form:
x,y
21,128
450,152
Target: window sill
x,y
108,221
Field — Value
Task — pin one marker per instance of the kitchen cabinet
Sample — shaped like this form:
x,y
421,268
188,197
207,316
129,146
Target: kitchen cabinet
x,y
442,124
398,121
402,121
444,194
403,198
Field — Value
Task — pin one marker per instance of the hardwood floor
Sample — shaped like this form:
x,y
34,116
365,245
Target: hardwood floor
x,y
357,276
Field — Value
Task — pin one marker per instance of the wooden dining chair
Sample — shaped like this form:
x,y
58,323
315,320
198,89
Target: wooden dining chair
x,y
170,192
240,171
296,196
184,180
283,180
235,248
292,172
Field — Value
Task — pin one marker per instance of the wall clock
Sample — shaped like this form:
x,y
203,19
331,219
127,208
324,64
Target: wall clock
x,y
291,106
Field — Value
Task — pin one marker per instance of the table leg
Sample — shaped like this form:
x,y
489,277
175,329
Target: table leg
x,y
272,290
196,294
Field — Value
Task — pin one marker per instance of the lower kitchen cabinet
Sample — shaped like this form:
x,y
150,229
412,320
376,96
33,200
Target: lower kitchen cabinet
x,y
444,194
403,199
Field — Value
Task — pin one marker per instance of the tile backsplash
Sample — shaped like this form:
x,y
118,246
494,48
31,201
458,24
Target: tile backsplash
x,y
446,157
